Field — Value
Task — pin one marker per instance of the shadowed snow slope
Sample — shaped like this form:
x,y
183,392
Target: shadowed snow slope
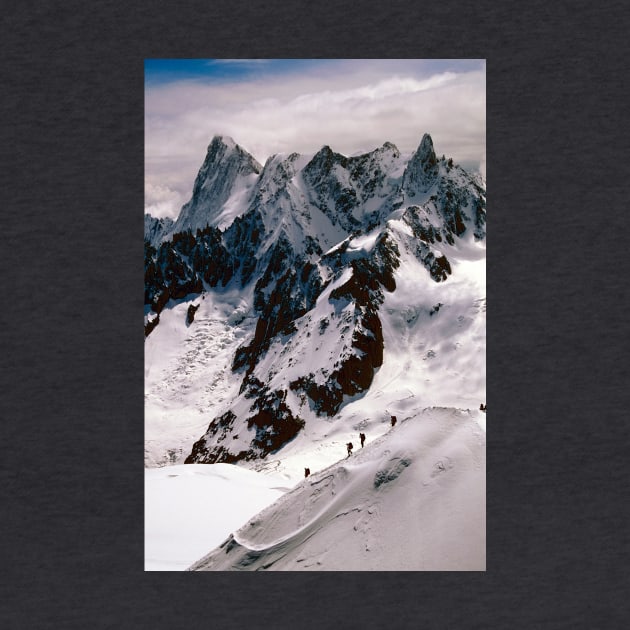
x,y
413,499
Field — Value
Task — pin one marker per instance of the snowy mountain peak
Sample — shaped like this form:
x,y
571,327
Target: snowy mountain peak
x,y
222,145
221,151
325,159
225,141
220,191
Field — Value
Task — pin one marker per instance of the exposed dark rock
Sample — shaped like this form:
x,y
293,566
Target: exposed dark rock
x,y
155,230
150,325
365,289
219,428
272,421
287,289
180,267
480,217
190,313
439,267
242,240
339,196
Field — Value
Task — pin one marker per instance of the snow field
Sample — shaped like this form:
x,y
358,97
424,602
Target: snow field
x,y
191,508
188,376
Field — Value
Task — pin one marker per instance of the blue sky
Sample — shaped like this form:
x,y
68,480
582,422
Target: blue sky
x,y
285,105
161,71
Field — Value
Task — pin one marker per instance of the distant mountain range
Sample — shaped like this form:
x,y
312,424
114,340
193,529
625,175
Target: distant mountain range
x,y
314,245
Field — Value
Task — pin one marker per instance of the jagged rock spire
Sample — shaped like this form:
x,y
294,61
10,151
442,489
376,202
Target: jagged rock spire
x,y
425,151
421,171
225,165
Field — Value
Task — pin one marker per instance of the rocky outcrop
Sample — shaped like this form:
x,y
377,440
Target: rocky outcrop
x,y
187,265
342,187
270,418
190,313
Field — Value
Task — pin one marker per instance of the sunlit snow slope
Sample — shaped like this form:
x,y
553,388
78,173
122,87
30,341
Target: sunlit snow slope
x,y
414,499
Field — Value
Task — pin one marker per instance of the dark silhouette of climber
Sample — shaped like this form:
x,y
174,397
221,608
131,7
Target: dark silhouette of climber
x,y
307,472
393,420
482,407
350,447
362,438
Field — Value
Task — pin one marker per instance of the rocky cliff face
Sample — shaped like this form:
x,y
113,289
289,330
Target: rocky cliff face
x,y
318,243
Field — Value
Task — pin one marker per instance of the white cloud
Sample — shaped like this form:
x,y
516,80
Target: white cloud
x,y
161,200
353,106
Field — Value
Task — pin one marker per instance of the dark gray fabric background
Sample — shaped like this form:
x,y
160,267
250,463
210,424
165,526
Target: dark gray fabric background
x,y
71,329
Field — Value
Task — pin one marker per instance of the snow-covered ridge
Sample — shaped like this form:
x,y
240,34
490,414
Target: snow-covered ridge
x,y
413,499
180,528
348,190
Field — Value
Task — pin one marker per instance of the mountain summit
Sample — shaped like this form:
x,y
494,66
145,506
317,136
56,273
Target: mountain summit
x,y
285,295
225,175
422,169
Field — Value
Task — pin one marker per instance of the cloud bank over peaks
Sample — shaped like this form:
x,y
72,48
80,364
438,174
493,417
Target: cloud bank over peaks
x,y
353,106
